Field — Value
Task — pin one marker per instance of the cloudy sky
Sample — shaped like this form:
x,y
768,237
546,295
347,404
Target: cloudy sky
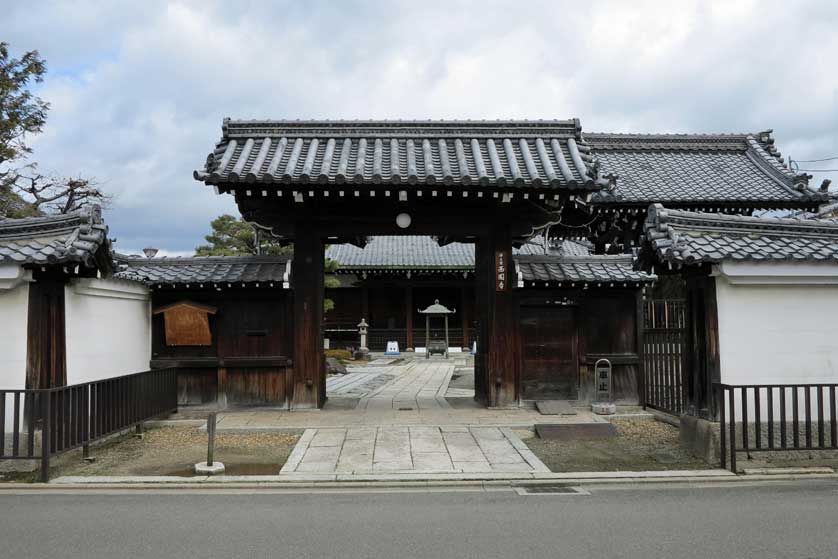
x,y
139,89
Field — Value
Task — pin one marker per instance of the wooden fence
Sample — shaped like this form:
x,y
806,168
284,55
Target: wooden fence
x,y
75,416
664,348
776,418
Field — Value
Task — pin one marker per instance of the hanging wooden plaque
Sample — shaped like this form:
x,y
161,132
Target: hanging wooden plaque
x,y
501,271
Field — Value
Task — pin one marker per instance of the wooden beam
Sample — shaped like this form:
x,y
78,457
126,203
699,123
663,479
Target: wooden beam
x,y
309,385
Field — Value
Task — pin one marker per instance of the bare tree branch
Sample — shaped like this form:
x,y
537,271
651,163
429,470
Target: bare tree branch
x,y
56,195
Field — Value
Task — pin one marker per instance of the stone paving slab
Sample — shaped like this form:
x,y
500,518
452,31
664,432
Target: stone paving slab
x,y
415,449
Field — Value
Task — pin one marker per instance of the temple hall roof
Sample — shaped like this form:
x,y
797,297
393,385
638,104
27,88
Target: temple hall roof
x,y
407,252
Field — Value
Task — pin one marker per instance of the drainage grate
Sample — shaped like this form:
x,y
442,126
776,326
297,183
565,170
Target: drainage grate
x,y
550,489
405,409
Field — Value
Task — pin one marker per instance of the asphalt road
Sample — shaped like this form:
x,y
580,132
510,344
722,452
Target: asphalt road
x,y
777,520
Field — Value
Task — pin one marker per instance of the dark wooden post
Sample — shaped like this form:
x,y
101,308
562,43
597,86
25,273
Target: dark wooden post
x,y
464,315
365,304
46,365
500,317
408,309
702,346
639,326
309,372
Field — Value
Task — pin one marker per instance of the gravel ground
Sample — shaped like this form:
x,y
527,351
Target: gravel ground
x,y
174,450
638,446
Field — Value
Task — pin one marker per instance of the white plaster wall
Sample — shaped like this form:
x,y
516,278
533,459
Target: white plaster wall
x,y
108,325
778,329
14,309
14,313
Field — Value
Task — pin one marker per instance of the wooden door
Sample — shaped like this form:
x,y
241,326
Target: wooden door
x,y
548,340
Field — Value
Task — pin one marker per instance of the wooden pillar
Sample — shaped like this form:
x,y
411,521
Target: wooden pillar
x,y
641,365
465,316
46,364
365,303
500,324
408,309
703,363
481,279
309,388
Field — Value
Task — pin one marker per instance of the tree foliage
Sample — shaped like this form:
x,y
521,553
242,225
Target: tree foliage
x,y
23,190
232,236
21,112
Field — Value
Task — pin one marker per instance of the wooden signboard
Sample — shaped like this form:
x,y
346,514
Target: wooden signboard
x,y
187,324
502,275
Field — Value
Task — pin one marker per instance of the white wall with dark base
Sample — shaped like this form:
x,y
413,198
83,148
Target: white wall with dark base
x,y
108,329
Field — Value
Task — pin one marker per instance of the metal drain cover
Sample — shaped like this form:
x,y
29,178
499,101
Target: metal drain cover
x,y
550,489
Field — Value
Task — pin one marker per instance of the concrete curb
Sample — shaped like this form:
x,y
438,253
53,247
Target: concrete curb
x,y
310,483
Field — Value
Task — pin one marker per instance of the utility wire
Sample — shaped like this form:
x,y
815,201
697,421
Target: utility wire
x,y
815,160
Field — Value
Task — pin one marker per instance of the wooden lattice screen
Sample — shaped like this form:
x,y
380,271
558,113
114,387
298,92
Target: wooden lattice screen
x,y
664,346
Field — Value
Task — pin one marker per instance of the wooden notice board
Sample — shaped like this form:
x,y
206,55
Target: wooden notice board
x,y
187,324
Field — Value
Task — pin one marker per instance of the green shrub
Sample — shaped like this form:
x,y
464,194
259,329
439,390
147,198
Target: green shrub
x,y
342,354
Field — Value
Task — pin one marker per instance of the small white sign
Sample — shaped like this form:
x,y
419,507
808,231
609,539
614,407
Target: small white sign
x,y
392,348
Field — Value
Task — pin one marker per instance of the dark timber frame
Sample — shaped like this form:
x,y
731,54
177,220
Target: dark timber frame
x,y
488,183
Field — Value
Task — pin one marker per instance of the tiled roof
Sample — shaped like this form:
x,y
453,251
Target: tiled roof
x,y
569,261
681,237
612,271
55,239
408,252
535,154
206,270
563,247
701,169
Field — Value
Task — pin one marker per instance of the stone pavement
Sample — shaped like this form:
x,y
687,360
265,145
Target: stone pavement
x,y
417,384
411,450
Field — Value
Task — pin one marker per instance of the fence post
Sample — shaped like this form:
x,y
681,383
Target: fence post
x,y
722,434
732,410
46,434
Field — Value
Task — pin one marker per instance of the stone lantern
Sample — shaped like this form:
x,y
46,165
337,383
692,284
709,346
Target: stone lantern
x,y
363,350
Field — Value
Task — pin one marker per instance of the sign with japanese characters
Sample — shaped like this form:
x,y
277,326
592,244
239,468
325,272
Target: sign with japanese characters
x,y
502,275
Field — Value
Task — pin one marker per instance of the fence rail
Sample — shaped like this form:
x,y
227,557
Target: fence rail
x,y
664,346
776,417
70,417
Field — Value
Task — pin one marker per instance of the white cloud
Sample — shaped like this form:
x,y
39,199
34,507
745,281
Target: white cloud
x,y
138,89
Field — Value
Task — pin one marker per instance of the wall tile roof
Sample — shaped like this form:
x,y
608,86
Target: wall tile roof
x,y
564,247
681,237
73,238
569,262
205,269
546,154
605,269
701,169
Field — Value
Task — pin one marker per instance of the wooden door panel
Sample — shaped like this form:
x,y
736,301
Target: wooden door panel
x,y
548,341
